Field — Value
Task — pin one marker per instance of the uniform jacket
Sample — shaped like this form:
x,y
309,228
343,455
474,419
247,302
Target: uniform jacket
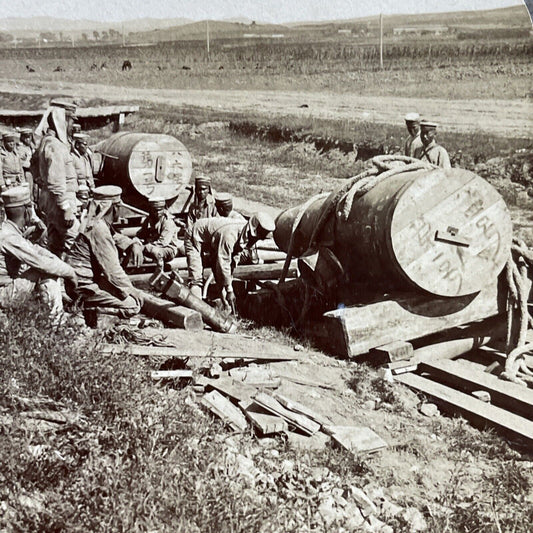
x,y
224,239
17,254
84,169
57,172
196,212
435,154
411,144
95,259
12,173
163,233
25,152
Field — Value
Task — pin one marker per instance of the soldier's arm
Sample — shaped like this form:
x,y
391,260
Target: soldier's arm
x,y
37,257
223,261
444,159
57,176
106,255
168,234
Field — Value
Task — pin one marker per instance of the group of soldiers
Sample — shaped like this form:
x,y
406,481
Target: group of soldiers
x,y
421,143
59,232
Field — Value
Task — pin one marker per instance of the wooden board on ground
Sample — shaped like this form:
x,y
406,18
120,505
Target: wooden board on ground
x,y
297,407
235,390
258,377
510,396
356,439
224,409
264,422
301,422
171,374
358,329
478,412
168,351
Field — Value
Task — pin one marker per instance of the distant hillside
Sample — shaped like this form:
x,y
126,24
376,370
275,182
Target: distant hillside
x,y
514,16
217,29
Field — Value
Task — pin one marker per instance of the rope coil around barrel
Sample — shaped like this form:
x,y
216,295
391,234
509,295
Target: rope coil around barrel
x,y
518,317
382,168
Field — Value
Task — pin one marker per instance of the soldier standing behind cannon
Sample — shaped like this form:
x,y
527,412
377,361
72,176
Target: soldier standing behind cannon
x,y
430,150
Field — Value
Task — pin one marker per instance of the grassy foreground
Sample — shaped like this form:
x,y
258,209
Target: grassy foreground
x,y
130,455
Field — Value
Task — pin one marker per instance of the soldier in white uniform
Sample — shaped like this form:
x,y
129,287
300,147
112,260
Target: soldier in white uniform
x,y
430,150
412,122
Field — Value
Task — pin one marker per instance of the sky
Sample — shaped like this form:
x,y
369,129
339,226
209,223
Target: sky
x,y
259,10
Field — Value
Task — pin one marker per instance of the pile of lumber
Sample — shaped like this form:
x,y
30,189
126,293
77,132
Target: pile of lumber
x,y
246,396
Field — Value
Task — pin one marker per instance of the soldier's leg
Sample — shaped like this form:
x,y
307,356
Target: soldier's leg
x,y
48,289
94,297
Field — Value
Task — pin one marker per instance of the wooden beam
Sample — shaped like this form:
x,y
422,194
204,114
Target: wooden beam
x,y
301,422
356,439
264,422
297,407
479,413
358,329
171,374
224,409
510,396
171,314
235,390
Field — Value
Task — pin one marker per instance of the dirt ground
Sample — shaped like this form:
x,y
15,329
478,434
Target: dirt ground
x,y
511,118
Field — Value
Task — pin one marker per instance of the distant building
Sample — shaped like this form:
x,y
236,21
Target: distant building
x,y
421,30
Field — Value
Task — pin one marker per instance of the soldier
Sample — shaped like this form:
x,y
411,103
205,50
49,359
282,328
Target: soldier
x,y
82,160
430,150
225,240
82,200
25,150
158,236
58,177
203,205
26,267
412,122
224,205
12,171
103,286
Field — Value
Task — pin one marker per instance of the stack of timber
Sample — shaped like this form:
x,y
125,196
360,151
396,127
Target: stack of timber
x,y
470,386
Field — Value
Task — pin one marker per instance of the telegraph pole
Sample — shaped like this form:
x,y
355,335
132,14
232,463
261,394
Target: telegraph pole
x,y
207,37
381,41
123,37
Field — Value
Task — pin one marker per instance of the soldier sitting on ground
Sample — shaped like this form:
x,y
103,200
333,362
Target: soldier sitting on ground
x,y
103,286
224,205
224,240
26,268
158,236
430,150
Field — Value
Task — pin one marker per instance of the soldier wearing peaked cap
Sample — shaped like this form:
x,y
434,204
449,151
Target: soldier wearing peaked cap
x,y
69,106
224,205
103,285
158,236
430,150
25,151
412,122
82,160
26,268
225,240
12,173
203,205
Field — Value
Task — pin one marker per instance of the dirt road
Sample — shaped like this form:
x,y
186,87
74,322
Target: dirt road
x,y
511,118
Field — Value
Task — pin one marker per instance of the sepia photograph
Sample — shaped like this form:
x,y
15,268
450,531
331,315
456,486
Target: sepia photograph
x,y
266,266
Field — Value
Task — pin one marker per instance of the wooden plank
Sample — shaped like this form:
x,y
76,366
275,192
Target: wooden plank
x,y
224,409
394,351
171,374
297,407
235,390
301,422
171,314
479,413
407,317
356,439
144,351
510,396
264,422
258,377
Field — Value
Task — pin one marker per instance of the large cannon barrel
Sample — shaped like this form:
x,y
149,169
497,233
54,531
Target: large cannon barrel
x,y
445,232
144,165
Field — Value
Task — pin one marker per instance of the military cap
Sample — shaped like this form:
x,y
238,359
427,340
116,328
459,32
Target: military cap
x,y
83,191
262,221
83,137
76,127
16,196
10,136
428,125
202,179
69,107
108,192
157,201
412,117
25,131
223,199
